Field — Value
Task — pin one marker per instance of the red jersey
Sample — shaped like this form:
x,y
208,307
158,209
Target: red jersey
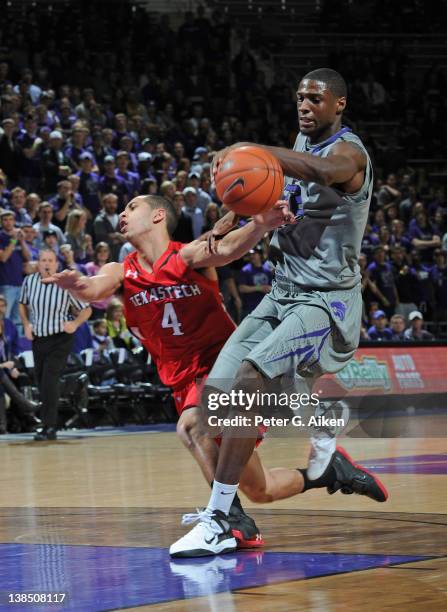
x,y
177,314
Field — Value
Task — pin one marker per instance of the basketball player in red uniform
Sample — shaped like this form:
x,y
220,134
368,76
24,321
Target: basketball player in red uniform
x,y
173,305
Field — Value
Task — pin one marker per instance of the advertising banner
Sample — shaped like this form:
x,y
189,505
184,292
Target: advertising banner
x,y
402,370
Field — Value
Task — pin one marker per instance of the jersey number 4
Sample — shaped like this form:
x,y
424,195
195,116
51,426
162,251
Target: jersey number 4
x,y
170,320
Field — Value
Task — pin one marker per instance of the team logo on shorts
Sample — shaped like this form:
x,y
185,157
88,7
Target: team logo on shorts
x,y
339,310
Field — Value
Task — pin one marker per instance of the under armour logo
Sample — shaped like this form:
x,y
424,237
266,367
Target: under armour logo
x,y
132,274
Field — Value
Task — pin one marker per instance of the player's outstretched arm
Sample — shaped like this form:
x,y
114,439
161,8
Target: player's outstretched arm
x,y
198,254
344,164
90,288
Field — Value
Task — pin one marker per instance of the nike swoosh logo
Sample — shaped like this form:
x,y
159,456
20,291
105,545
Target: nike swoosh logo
x,y
222,493
235,183
211,540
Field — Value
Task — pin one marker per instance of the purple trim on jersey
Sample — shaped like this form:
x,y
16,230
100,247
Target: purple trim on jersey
x,y
330,140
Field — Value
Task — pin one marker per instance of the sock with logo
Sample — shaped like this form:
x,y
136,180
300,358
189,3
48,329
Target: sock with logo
x,y
236,506
222,496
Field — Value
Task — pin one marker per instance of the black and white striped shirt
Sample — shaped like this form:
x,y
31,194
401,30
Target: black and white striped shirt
x,y
49,304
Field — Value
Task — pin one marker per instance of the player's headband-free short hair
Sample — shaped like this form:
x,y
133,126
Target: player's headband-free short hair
x,y
333,79
155,201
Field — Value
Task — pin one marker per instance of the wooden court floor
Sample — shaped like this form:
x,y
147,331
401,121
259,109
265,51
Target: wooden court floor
x,y
94,517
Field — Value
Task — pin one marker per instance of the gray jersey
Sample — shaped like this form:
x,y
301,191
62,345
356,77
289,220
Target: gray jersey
x,y
321,251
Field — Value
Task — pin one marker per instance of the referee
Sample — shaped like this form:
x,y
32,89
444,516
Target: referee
x,y
51,333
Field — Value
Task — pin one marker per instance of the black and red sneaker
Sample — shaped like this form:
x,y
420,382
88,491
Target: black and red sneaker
x,y
353,478
244,529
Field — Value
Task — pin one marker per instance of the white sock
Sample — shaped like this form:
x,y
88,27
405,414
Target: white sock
x,y
222,496
322,449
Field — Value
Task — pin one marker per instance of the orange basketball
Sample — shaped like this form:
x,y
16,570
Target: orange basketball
x,y
249,180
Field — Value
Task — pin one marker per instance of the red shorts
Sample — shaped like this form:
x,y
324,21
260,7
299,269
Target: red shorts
x,y
190,396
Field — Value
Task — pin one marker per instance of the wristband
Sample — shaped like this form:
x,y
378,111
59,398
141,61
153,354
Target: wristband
x,y
13,241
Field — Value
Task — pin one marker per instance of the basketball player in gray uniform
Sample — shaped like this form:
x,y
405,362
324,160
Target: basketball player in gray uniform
x,y
309,324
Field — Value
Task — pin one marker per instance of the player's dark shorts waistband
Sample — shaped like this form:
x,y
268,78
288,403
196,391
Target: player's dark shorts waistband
x,y
287,285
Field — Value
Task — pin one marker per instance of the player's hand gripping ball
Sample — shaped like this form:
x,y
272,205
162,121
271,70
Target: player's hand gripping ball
x,y
249,180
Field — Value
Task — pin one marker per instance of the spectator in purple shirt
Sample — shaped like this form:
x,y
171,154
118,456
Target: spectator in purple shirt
x,y
76,146
112,183
255,280
381,273
131,179
369,241
423,237
13,254
380,330
18,200
99,150
89,184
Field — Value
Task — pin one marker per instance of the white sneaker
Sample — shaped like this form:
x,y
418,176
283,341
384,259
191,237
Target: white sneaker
x,y
323,443
211,536
322,447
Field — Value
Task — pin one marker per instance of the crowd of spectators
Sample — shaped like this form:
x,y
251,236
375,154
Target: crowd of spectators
x,y
86,125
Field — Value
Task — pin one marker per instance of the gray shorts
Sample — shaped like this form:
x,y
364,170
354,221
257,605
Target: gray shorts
x,y
293,332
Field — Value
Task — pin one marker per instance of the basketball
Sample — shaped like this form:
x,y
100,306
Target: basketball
x,y
249,180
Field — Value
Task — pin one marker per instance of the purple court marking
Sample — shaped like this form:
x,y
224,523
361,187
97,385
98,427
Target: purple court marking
x,y
98,578
409,464
411,458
